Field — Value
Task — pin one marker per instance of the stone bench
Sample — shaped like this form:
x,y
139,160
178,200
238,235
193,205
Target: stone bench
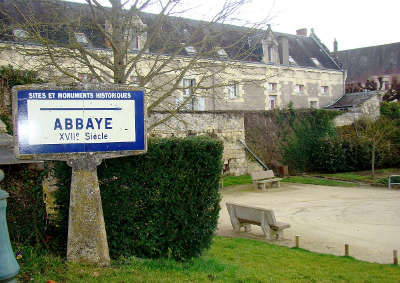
x,y
391,180
245,216
260,178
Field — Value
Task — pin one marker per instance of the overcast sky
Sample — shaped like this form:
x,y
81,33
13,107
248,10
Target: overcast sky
x,y
354,23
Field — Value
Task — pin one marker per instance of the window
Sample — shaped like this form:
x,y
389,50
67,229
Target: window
x,y
20,34
135,81
222,53
299,88
233,90
324,90
386,85
291,61
272,102
199,104
316,62
272,86
190,50
86,78
81,38
192,102
314,104
135,44
188,85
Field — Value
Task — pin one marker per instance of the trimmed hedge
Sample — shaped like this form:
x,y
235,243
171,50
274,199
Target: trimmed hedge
x,y
164,203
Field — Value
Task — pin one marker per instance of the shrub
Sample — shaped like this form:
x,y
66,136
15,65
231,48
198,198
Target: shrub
x,y
26,213
164,203
306,146
10,77
390,110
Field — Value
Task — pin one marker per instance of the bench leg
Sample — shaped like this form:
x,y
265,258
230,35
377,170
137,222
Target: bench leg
x,y
234,221
261,186
247,227
265,227
277,235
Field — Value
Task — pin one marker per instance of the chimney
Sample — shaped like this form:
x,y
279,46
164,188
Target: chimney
x,y
284,50
302,32
335,46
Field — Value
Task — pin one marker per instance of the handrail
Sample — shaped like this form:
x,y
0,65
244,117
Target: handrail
x,y
253,154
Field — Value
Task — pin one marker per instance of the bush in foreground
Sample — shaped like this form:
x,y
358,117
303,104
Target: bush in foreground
x,y
164,203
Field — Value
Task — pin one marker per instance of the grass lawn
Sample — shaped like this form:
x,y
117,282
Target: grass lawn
x,y
246,179
317,181
228,260
236,180
364,176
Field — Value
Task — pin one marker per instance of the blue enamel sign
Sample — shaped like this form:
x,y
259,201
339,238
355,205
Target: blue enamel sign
x,y
72,121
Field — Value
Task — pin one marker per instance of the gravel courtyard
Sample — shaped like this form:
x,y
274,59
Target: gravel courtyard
x,y
367,218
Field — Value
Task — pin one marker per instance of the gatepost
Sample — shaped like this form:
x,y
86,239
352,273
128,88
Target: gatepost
x,y
82,125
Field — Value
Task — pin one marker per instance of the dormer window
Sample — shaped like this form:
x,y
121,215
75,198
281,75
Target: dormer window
x,y
270,54
20,34
190,50
81,38
316,62
291,61
222,53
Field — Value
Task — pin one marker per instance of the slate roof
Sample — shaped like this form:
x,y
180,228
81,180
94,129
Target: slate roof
x,y
350,100
301,48
363,63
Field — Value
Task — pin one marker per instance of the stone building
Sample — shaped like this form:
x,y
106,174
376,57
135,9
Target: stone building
x,y
280,68
356,106
263,69
372,67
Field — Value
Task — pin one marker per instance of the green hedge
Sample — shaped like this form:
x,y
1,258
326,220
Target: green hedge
x,y
26,213
161,204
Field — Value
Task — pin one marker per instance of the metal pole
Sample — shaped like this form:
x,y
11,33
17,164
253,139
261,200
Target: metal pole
x,y
253,154
9,267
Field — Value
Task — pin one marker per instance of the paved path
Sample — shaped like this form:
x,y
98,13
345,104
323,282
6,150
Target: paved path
x,y
367,218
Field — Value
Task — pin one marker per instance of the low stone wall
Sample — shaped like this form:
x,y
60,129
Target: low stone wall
x,y
226,125
346,119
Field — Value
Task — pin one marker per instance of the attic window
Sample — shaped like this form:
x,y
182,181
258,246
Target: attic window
x,y
291,61
190,50
222,53
81,38
316,62
20,34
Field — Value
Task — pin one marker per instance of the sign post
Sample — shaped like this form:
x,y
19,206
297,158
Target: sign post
x,y
81,125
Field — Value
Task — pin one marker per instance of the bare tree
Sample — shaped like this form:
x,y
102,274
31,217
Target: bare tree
x,y
376,133
154,51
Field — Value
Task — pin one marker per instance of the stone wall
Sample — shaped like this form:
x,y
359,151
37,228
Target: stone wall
x,y
346,119
227,125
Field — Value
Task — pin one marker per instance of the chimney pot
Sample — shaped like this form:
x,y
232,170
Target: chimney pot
x,y
302,32
335,46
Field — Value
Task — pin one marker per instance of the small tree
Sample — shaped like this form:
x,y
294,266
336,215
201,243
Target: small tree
x,y
377,135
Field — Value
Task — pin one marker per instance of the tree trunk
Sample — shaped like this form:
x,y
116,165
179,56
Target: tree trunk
x,y
373,161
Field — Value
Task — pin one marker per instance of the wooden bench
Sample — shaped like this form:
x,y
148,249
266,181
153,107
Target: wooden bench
x,y
244,216
260,178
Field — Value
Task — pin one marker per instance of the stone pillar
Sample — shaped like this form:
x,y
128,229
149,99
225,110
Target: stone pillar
x,y
87,239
